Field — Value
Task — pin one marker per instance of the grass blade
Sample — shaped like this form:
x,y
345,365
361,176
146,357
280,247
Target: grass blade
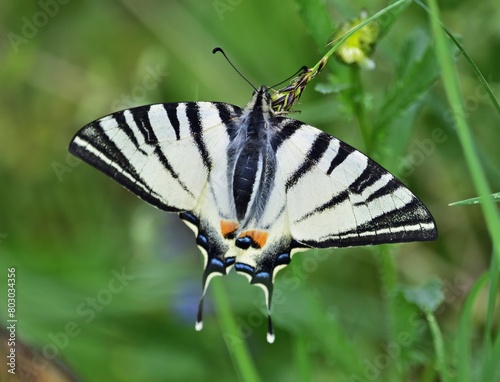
x,y
237,348
437,339
474,67
465,332
495,197
491,355
317,20
450,82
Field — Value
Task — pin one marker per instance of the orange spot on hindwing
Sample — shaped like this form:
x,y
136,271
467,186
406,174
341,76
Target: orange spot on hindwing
x,y
228,228
259,238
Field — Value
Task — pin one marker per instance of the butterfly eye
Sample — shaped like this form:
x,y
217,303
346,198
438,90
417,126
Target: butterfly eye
x,y
267,96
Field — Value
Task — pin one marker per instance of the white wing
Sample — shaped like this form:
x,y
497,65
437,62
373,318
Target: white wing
x,y
338,197
174,157
159,152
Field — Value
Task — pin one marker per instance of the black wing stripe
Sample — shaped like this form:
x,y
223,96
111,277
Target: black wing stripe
x,y
174,121
342,153
370,175
287,129
96,137
141,119
227,114
388,189
105,156
410,214
166,164
316,152
125,127
193,116
411,222
278,215
410,217
332,203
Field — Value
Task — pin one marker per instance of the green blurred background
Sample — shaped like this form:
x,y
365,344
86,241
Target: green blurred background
x,y
69,230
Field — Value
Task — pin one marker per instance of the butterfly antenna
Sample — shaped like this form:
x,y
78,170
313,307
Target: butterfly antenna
x,y
234,67
302,70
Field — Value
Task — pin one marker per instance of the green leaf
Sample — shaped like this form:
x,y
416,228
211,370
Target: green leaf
x,y
317,20
332,86
387,20
418,73
427,297
495,197
472,64
393,151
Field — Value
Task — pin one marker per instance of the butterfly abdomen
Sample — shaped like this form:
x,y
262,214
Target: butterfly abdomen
x,y
245,179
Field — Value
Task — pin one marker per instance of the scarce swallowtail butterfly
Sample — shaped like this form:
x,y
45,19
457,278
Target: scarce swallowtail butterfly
x,y
255,186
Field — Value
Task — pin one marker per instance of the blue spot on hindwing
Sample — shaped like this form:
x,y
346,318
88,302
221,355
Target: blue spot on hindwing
x,y
216,263
284,258
190,218
241,267
243,242
202,241
261,275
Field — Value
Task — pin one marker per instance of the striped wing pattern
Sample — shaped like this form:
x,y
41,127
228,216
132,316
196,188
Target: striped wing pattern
x,y
254,187
357,201
144,149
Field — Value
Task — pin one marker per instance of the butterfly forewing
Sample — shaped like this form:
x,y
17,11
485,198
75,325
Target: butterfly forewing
x,y
159,152
338,197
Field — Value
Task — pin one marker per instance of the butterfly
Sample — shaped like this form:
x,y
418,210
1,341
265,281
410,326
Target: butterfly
x,y
255,186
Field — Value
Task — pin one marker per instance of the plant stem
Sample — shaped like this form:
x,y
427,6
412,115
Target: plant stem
x,y
301,358
437,339
235,342
450,81
488,335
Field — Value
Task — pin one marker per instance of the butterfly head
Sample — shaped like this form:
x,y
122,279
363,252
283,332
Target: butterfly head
x,y
263,93
261,100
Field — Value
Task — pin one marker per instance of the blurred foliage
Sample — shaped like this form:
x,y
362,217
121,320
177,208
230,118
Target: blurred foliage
x,y
113,284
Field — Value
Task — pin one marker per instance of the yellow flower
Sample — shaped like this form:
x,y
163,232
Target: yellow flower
x,y
358,47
